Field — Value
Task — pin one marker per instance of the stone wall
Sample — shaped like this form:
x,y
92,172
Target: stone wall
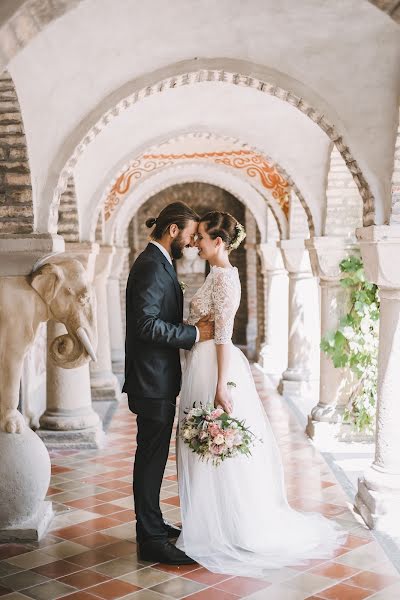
x,y
16,209
201,197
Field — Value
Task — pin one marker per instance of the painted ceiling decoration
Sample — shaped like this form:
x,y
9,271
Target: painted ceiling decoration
x,y
249,162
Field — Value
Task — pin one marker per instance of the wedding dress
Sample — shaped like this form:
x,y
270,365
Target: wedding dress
x,y
235,517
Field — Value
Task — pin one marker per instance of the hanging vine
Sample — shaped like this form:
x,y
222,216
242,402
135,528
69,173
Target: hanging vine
x,y
355,344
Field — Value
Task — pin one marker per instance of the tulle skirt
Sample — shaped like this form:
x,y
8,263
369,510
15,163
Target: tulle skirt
x,y
235,517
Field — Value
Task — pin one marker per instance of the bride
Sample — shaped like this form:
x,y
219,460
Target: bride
x,y
235,517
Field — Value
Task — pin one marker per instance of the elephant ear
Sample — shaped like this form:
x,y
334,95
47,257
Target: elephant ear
x,y
47,281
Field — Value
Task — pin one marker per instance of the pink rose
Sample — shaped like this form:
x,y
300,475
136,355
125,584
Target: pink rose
x,y
217,450
217,413
214,429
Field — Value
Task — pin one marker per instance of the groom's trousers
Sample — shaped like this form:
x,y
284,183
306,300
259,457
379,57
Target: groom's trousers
x,y
153,440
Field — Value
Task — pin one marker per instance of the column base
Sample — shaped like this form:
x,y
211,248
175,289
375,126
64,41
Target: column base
x,y
327,413
69,420
79,439
33,529
105,386
379,503
118,367
327,435
300,388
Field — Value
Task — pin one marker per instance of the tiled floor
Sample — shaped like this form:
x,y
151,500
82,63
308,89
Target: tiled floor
x,y
90,551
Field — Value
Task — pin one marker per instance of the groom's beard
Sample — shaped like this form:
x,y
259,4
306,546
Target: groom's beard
x,y
177,246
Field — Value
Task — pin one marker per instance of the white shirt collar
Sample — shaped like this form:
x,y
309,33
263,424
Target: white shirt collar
x,y
163,250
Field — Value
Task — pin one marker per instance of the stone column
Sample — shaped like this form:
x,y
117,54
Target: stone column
x,y
104,384
69,420
326,253
301,376
117,340
273,354
25,467
378,497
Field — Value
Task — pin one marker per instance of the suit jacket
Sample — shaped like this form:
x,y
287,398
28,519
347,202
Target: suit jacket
x,y
154,330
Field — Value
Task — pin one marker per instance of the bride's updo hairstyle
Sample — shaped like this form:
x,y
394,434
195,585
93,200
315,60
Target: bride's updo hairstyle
x,y
223,225
177,213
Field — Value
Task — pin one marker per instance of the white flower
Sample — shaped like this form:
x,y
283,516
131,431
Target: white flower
x,y
183,286
219,439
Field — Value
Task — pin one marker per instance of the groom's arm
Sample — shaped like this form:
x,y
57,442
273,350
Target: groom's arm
x,y
146,295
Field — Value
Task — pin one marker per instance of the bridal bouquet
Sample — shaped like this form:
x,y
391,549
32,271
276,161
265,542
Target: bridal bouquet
x,y
215,435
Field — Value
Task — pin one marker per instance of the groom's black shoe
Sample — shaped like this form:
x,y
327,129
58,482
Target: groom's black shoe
x,y
163,552
172,530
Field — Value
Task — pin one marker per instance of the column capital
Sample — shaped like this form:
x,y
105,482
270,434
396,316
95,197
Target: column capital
x,y
380,247
119,256
85,252
104,261
19,254
326,254
271,257
295,257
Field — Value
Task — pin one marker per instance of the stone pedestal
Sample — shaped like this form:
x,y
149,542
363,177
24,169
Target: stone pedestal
x,y
20,253
273,353
69,420
117,340
25,470
104,384
378,497
301,375
335,387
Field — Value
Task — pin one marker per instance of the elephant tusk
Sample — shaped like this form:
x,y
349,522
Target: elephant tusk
x,y
84,338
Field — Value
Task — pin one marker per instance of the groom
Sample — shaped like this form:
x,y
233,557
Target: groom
x,y
154,334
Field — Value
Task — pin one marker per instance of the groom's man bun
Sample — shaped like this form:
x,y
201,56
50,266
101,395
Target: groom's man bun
x,y
177,213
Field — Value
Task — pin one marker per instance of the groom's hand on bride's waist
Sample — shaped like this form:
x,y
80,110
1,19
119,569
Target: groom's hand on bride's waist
x,y
206,328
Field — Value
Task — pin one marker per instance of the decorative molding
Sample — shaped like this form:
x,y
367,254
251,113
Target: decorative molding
x,y
222,76
253,165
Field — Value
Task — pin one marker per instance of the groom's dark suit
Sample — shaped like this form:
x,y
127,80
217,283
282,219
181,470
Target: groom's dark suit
x,y
154,334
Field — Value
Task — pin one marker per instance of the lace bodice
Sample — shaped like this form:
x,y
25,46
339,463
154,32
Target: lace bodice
x,y
219,296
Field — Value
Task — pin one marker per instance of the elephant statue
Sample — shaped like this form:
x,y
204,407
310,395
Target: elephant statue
x,y
58,290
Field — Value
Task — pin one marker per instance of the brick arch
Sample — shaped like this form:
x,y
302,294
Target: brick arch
x,y
16,205
68,218
230,78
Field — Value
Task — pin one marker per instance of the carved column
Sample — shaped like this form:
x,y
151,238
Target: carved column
x,y
104,384
273,354
378,497
326,253
301,376
117,340
69,420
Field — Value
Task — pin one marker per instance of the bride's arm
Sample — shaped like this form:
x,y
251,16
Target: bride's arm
x,y
222,394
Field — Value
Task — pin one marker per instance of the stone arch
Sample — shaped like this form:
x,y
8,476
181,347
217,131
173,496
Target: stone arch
x,y
68,219
189,73
16,206
245,193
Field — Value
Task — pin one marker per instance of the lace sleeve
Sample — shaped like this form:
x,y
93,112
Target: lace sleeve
x,y
226,298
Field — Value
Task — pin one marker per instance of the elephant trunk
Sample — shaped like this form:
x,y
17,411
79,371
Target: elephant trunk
x,y
73,349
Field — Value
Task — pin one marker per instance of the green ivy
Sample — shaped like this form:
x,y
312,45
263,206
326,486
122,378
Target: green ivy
x,y
355,344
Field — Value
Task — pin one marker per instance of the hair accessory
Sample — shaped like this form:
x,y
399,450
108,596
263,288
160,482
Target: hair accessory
x,y
239,237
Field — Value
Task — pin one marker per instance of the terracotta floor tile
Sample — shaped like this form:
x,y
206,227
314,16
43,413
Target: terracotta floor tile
x,y
113,589
334,570
99,524
90,558
122,548
57,569
9,550
71,532
174,500
177,569
344,592
109,496
81,595
204,576
95,540
242,586
124,516
88,502
372,581
84,579
212,594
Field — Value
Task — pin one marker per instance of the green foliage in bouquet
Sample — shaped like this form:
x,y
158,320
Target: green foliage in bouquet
x,y
355,344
